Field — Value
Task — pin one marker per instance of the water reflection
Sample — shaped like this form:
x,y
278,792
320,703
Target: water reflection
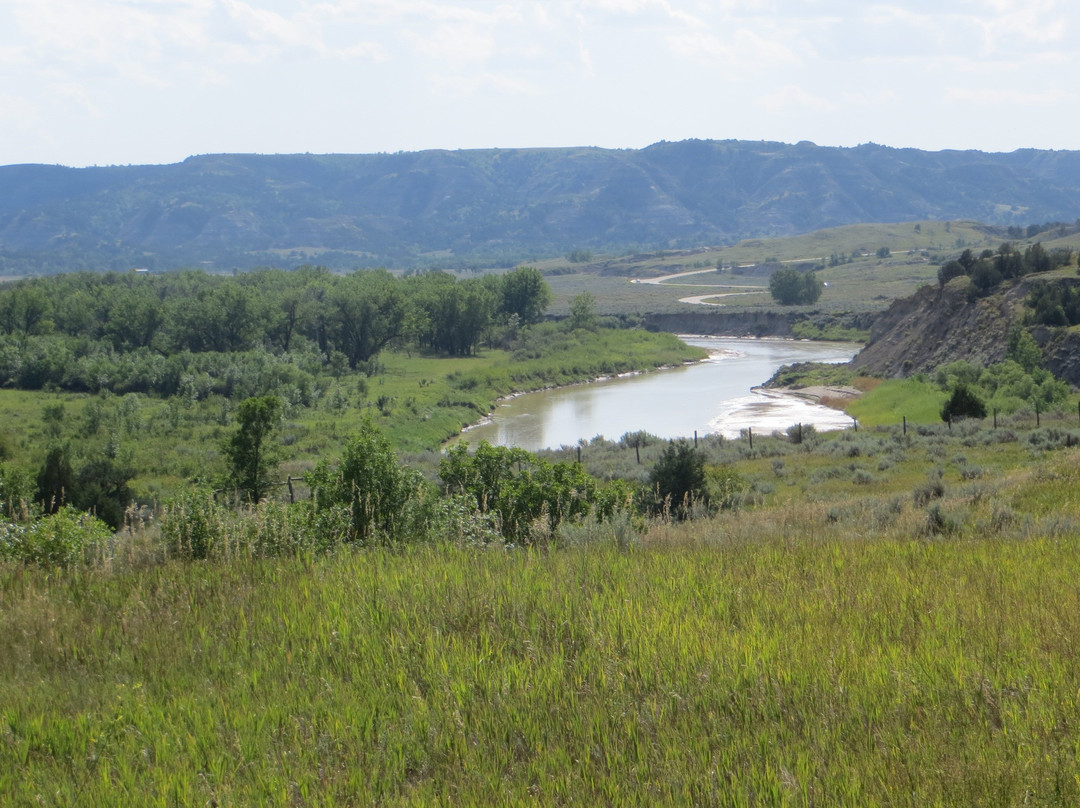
x,y
714,396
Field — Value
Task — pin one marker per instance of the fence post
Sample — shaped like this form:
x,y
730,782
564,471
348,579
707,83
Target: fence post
x,y
905,424
695,438
750,433
292,498
1037,421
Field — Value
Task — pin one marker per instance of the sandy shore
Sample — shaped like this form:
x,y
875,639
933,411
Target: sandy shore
x,y
830,396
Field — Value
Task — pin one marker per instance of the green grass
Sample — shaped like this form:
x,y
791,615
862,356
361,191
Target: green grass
x,y
419,401
844,638
802,668
894,399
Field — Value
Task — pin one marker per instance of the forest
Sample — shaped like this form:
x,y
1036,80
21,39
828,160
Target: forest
x,y
247,334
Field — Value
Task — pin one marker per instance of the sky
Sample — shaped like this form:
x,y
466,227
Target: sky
x,y
113,82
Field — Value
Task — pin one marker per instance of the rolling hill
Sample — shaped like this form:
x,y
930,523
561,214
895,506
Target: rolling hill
x,y
491,207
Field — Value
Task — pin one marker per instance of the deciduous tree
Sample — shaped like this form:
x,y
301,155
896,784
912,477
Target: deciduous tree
x,y
250,454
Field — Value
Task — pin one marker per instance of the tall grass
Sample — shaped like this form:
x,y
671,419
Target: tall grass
x,y
893,620
819,668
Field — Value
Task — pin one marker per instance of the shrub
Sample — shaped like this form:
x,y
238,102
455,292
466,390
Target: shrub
x,y
726,488
677,480
193,525
938,522
58,540
371,484
934,489
963,403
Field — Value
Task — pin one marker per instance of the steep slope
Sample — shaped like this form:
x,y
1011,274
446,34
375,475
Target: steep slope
x,y
409,209
936,326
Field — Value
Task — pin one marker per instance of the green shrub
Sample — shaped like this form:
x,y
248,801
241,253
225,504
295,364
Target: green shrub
x,y
57,540
677,481
963,403
369,482
194,525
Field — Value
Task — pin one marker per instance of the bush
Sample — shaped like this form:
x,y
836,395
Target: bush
x,y
963,403
59,540
677,481
372,485
193,526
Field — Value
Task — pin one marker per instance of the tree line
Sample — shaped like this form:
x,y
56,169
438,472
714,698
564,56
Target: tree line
x,y
988,269
134,332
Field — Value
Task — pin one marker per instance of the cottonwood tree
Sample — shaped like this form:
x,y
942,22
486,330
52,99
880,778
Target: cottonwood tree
x,y
525,293
789,287
249,451
377,491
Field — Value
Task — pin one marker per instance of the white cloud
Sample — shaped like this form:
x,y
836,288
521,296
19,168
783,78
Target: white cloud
x,y
643,7
469,85
881,98
1000,100
456,43
269,26
791,96
18,112
745,49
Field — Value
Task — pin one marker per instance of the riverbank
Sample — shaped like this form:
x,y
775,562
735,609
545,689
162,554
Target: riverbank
x,y
715,396
836,396
764,323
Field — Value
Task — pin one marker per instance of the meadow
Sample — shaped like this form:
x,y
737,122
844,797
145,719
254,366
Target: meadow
x,y
418,400
880,618
860,280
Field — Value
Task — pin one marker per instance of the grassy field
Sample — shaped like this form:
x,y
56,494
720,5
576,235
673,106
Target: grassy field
x,y
418,401
867,283
885,619
792,653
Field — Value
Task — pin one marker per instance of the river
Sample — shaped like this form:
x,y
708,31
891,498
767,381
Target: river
x,y
714,396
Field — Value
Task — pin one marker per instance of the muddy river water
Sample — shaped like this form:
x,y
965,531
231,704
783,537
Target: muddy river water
x,y
714,396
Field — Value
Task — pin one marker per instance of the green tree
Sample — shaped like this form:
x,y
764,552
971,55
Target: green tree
x,y
368,311
380,496
250,455
950,270
55,480
678,481
520,489
525,293
1023,350
963,403
583,312
789,287
101,488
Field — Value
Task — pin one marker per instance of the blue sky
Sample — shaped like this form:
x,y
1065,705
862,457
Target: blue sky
x,y
86,82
